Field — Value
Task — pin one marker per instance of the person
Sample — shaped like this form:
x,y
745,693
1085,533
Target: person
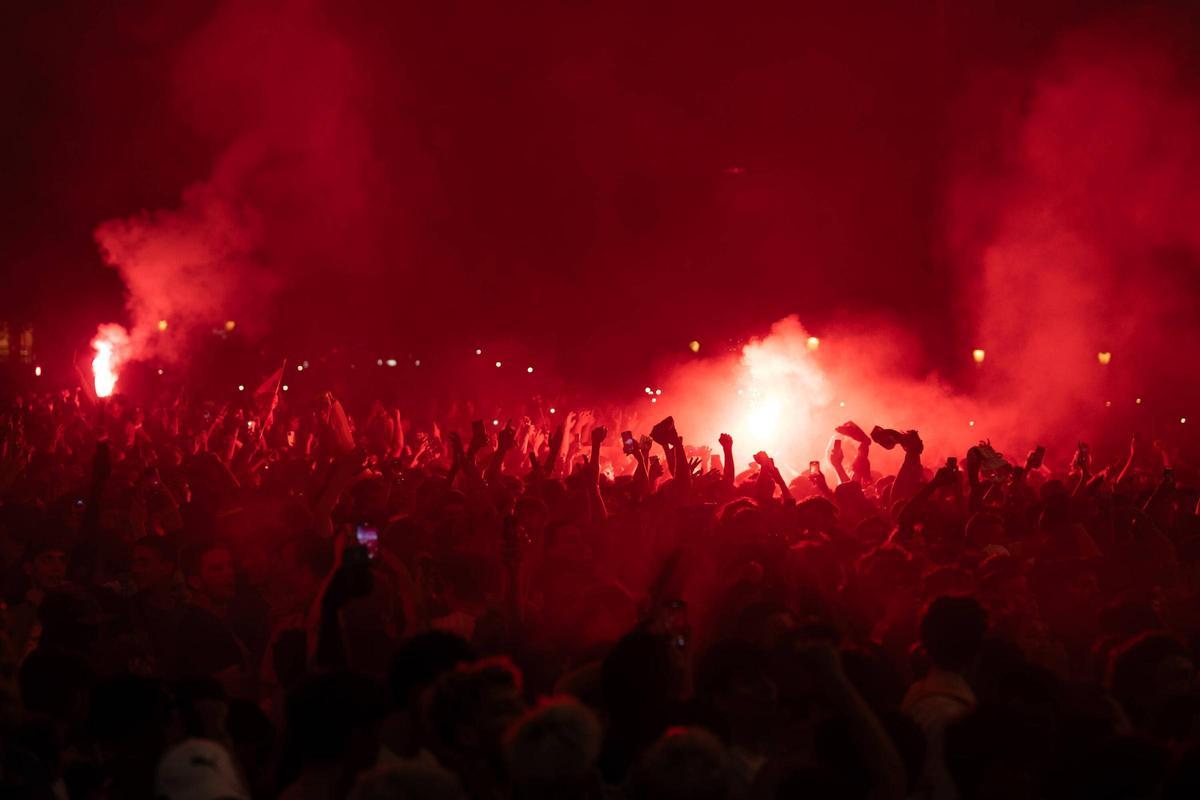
x,y
719,636
552,752
952,633
45,568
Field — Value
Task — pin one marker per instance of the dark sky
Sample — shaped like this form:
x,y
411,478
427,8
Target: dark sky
x,y
560,175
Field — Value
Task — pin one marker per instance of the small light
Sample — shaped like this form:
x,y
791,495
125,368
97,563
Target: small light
x,y
379,362
284,387
529,369
37,372
391,362
300,367
1108,403
694,346
241,387
417,363
653,399
658,391
813,343
499,364
553,410
305,363
971,422
1183,420
1104,357
230,325
649,390
162,324
979,355
495,422
478,351
160,372
1138,401
842,404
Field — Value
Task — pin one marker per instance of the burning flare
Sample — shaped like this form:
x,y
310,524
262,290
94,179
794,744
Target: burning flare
x,y
110,344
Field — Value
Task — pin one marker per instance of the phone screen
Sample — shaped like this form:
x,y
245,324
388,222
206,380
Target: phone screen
x,y
814,467
368,537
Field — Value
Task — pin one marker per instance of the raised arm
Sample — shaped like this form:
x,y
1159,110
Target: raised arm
x,y
726,442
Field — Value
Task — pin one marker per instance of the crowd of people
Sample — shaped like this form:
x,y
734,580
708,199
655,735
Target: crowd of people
x,y
206,602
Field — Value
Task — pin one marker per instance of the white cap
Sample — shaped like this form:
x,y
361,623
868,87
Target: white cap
x,y
198,769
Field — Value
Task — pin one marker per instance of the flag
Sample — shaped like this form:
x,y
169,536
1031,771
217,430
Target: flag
x,y
270,386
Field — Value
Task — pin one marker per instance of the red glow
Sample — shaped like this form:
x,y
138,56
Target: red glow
x,y
110,344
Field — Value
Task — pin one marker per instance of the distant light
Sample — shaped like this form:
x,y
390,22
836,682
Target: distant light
x,y
971,422
160,372
162,324
300,367
653,399
735,170
379,362
1138,401
1108,403
391,362
305,363
813,343
1183,420
284,387
37,372
553,410
417,363
978,355
499,364
649,390
241,388
658,391
478,351
842,404
694,346
495,422
1104,357
529,369
230,325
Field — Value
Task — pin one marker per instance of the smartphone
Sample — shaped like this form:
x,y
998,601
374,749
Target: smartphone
x,y
250,425
627,440
952,462
814,468
368,538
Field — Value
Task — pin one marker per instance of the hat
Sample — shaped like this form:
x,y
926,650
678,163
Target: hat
x,y
198,769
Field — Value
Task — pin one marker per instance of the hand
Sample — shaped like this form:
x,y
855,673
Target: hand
x,y
818,480
598,435
656,468
725,440
910,442
479,439
1081,456
507,436
836,455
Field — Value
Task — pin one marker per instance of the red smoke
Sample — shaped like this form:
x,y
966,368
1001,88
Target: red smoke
x,y
1084,238
289,197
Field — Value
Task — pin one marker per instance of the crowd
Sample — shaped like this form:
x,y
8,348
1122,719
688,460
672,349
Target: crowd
x,y
205,602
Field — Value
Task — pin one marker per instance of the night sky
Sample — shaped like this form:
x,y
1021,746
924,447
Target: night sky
x,y
601,181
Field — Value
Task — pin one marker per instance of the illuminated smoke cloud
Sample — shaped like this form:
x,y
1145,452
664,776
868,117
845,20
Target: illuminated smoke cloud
x,y
290,191
1084,241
